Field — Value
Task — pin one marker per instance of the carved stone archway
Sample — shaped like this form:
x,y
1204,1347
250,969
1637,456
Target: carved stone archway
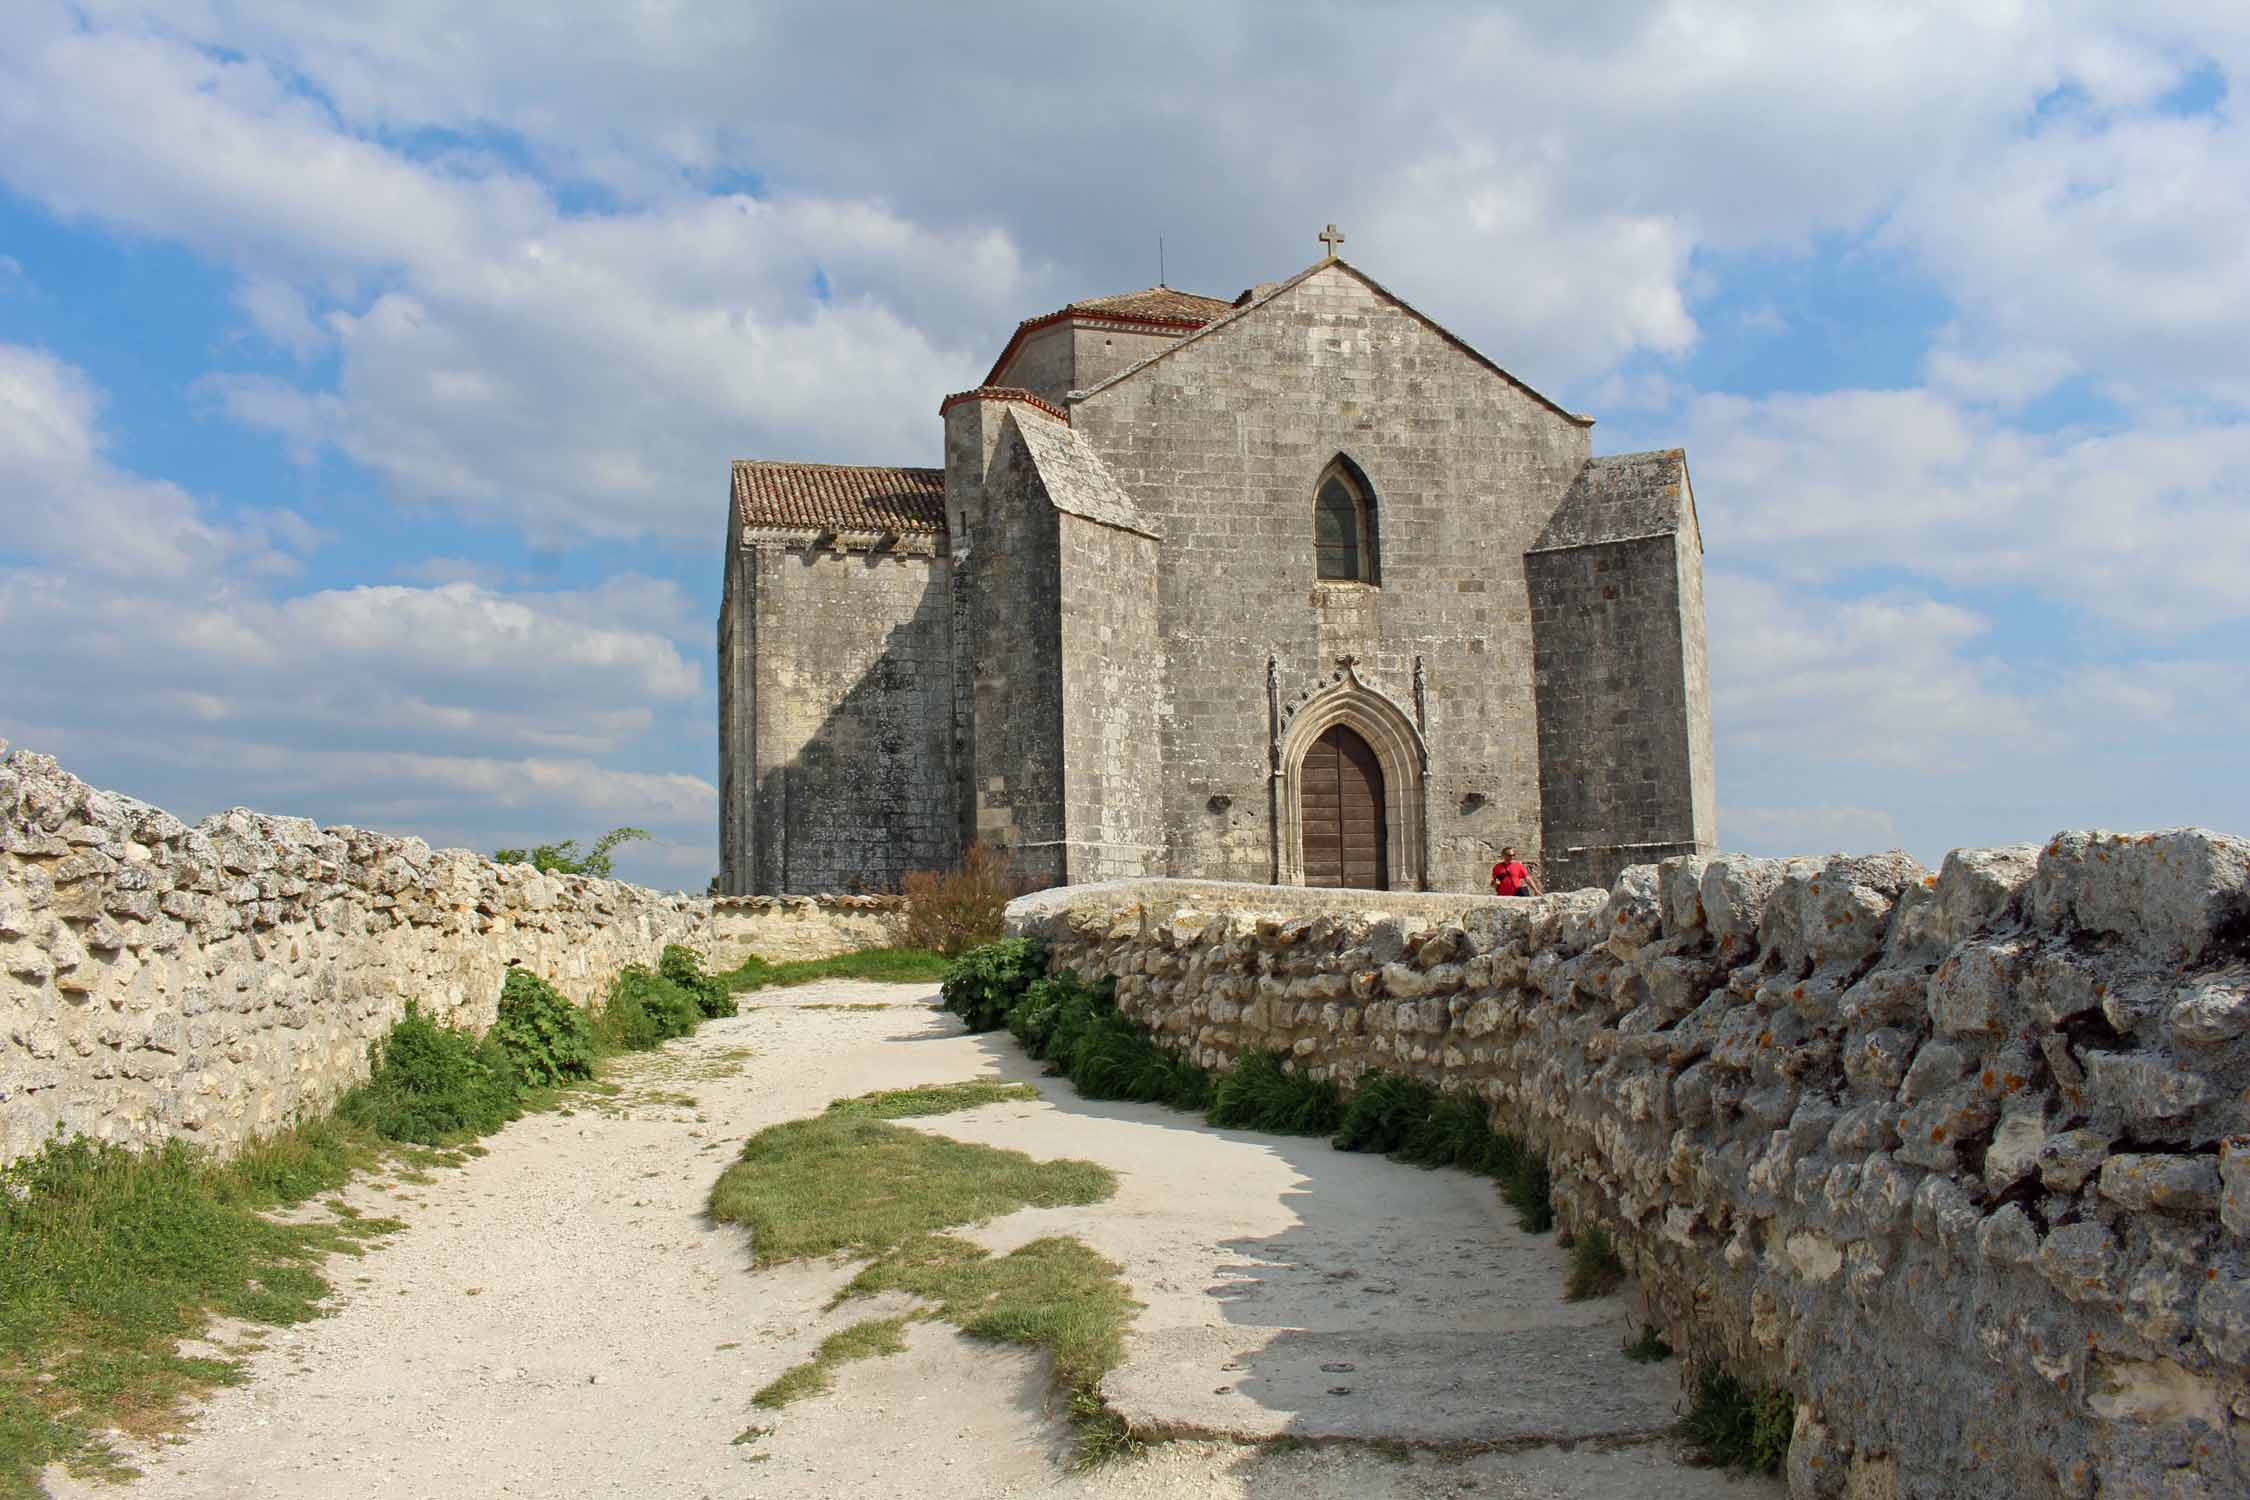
x,y
1390,733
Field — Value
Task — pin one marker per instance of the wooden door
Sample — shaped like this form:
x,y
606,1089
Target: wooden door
x,y
1340,792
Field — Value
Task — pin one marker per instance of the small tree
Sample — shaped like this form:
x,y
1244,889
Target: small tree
x,y
564,858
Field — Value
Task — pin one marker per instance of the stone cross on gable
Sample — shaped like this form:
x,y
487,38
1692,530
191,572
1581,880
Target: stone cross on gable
x,y
1331,237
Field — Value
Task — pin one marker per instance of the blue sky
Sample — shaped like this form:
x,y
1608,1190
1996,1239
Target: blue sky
x,y
367,385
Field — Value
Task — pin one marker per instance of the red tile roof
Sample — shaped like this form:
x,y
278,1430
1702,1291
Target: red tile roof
x,y
838,497
1002,393
1160,305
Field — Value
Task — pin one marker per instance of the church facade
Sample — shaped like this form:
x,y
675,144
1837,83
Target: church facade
x,y
1297,588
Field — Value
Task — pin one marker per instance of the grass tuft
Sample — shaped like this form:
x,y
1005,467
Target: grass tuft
x,y
110,1257
848,1183
876,1336
1744,1427
1595,1270
932,1099
1261,1092
886,965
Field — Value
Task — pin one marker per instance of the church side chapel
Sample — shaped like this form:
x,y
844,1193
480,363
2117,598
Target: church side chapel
x,y
1297,588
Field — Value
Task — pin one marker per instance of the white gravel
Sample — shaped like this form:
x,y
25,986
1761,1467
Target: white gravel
x,y
558,1319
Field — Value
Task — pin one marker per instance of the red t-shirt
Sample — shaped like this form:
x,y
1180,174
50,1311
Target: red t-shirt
x,y
1509,877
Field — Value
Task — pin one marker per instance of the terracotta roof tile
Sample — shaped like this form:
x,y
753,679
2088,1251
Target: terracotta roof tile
x,y
840,497
1160,302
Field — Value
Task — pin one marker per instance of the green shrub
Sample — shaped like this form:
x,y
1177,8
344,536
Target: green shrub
x,y
548,1039
1648,1346
683,966
1744,1427
1261,1092
1384,1109
986,983
430,1084
1079,1029
643,1009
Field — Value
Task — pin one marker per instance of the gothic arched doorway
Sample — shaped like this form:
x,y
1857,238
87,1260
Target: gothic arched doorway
x,y
1341,812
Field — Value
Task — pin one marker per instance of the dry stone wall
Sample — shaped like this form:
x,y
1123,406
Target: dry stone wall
x,y
216,982
1961,1159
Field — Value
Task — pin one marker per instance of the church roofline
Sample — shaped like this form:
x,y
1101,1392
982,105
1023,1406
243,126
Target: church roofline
x,y
1215,325
1004,393
773,495
1089,310
1623,497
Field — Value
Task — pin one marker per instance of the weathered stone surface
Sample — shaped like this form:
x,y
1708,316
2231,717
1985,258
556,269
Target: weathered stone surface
x,y
1973,1221
246,996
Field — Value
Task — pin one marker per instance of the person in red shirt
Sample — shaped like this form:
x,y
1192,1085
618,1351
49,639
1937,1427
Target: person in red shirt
x,y
1510,877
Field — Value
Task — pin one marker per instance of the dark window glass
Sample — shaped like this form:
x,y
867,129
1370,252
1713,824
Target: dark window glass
x,y
1336,531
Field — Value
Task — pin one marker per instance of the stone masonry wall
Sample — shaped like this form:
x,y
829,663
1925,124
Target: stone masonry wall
x,y
1224,440
214,983
1616,739
1962,1159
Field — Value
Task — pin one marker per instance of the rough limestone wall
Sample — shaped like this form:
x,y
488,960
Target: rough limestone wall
x,y
214,983
1962,1160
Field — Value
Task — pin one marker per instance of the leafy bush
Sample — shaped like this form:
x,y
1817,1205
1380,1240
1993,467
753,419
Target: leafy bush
x,y
683,966
986,983
1530,1190
433,1083
1743,1427
564,858
548,1039
950,912
643,1009
1261,1092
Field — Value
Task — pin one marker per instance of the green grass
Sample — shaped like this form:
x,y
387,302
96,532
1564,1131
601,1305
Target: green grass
x,y
1053,1294
1741,1426
932,1099
1647,1347
1262,1092
109,1258
866,1340
848,1183
1595,1270
888,965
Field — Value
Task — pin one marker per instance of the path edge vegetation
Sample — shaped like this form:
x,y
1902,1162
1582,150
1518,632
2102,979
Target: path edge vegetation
x,y
1077,1028
112,1256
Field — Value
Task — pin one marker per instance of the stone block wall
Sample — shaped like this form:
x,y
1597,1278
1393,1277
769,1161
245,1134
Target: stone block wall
x,y
1961,1159
837,749
217,982
1621,710
1223,441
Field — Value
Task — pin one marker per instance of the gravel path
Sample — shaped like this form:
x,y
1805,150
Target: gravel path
x,y
558,1320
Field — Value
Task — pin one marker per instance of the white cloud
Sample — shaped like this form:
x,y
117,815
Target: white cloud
x,y
1885,681
67,499
1808,830
2147,529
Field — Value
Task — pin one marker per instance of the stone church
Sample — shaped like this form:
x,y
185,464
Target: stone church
x,y
1296,588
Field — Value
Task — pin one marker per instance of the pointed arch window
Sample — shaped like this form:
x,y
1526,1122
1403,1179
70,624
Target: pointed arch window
x,y
1344,531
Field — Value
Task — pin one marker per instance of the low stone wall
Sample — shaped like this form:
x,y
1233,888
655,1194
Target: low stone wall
x,y
1958,1159
216,982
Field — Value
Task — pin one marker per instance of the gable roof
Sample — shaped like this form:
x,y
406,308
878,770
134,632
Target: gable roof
x,y
1239,310
1076,480
1621,498
838,497
1161,306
